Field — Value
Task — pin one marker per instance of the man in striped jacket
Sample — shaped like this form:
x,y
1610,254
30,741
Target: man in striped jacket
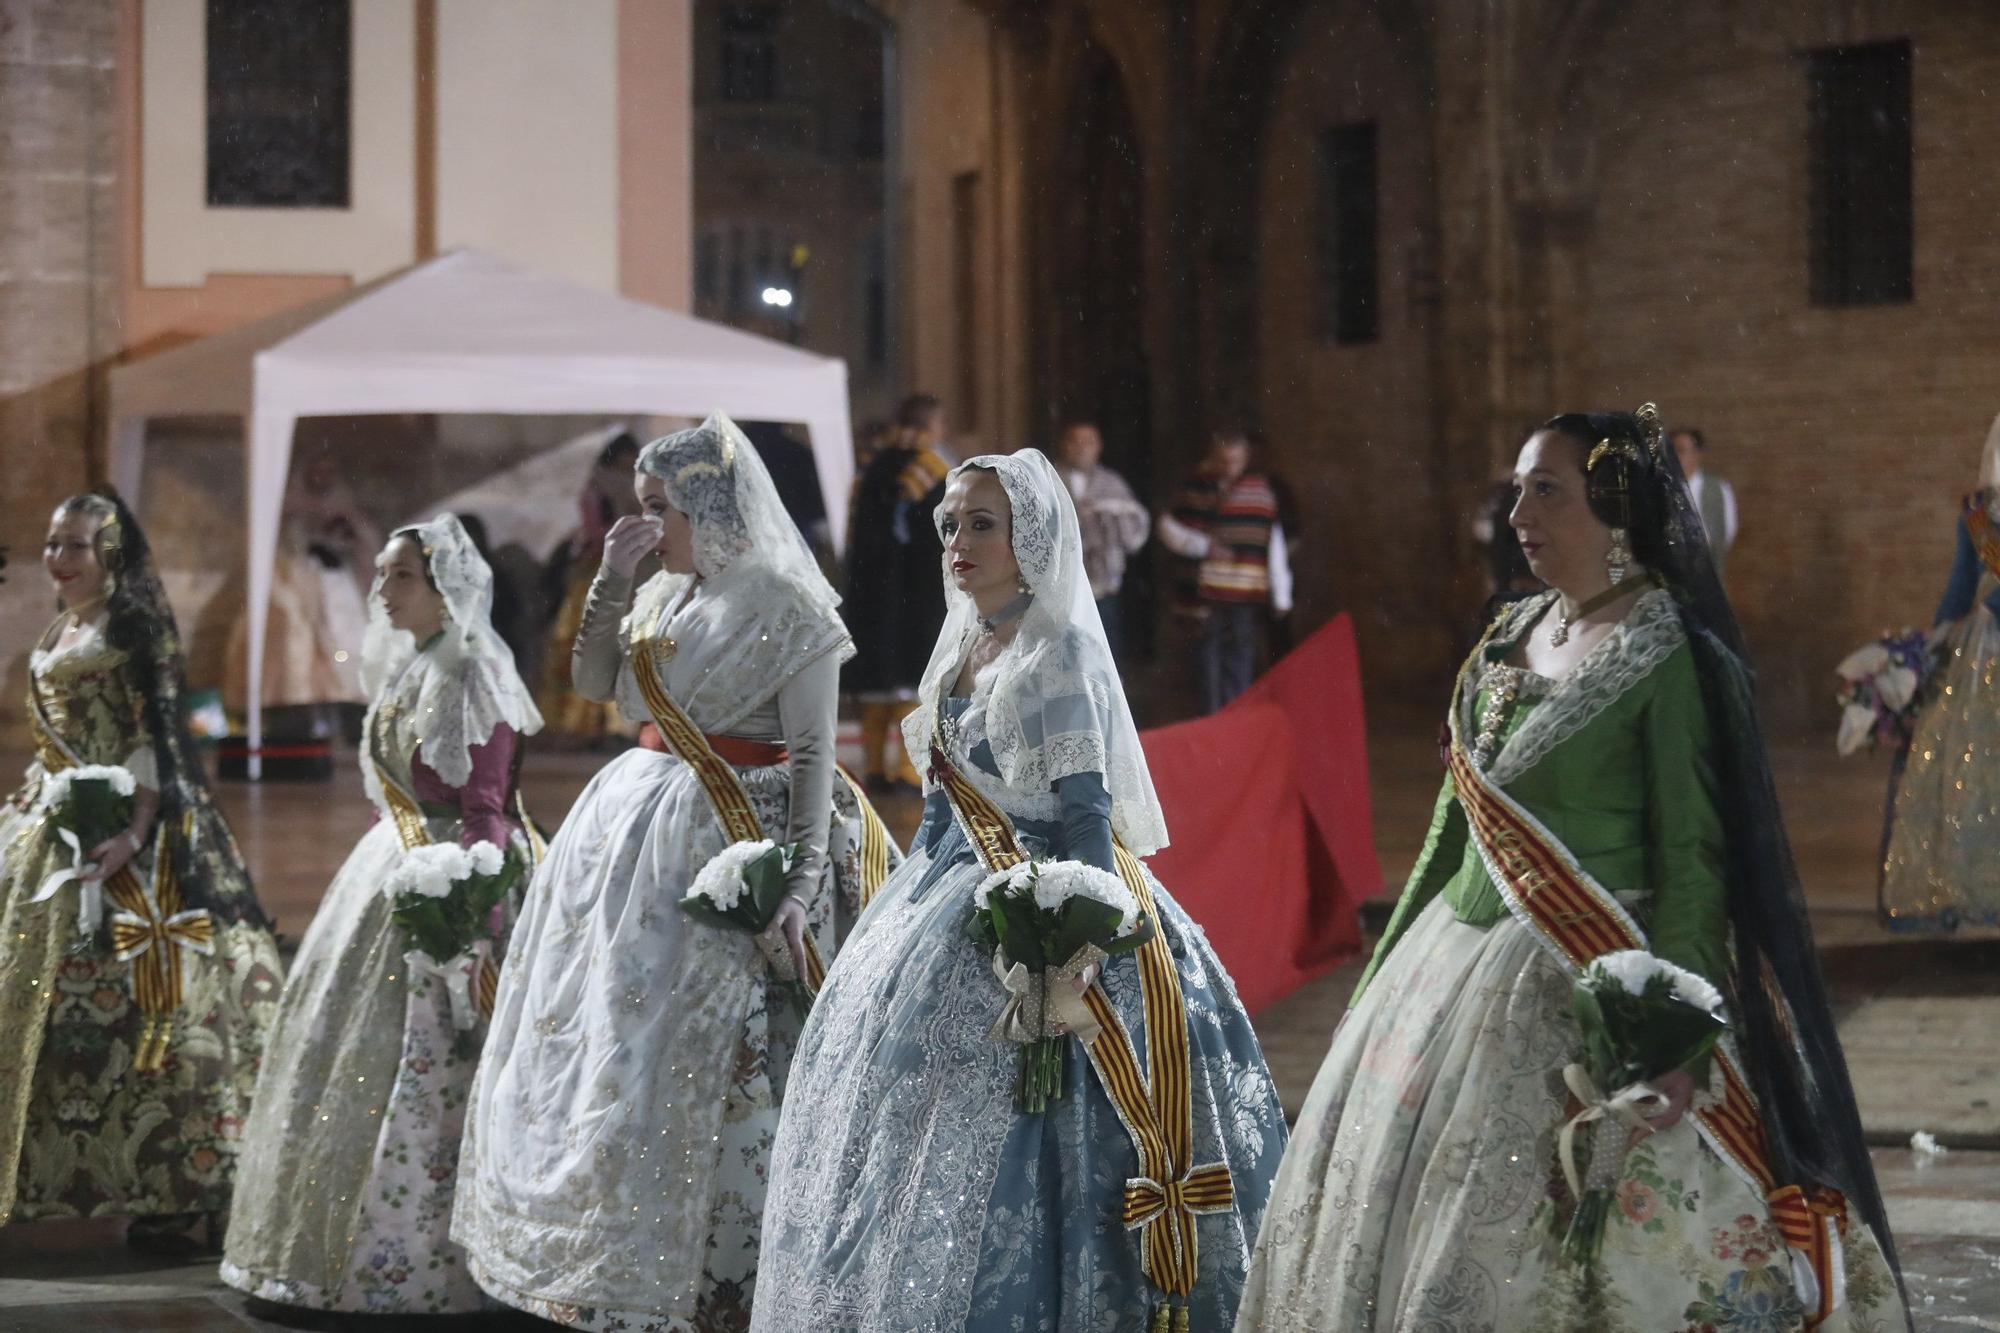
x,y
1226,524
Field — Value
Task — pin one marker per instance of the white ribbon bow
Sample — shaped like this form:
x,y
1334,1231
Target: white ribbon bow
x,y
456,973
1631,1104
90,892
1038,1008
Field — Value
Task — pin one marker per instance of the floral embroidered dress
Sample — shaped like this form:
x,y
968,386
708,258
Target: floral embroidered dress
x,y
350,1156
1942,867
1422,1189
82,1132
907,1193
616,1148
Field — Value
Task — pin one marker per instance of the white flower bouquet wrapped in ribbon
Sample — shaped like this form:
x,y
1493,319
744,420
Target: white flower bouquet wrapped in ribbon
x,y
82,807
1642,1017
443,897
1048,923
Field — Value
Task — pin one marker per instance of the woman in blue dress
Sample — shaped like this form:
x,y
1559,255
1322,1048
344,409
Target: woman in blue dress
x,y
907,1192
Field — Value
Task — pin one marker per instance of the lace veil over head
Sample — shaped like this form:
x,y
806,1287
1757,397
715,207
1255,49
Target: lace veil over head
x,y
760,577
467,684
1989,467
1055,705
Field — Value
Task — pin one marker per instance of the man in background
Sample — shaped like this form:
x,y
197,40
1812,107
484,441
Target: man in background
x,y
1714,499
1226,526
895,590
1110,519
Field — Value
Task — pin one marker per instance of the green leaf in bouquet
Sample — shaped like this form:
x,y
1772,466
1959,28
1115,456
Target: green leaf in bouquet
x,y
1017,928
93,811
1084,920
428,923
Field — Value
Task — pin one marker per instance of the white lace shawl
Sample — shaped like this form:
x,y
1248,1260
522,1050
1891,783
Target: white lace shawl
x,y
737,638
1646,637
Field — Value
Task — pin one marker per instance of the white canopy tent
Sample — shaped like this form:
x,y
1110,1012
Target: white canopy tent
x,y
466,333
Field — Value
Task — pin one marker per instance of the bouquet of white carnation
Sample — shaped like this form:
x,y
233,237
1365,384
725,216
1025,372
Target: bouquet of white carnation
x,y
444,894
82,807
742,887
1642,1017
1047,923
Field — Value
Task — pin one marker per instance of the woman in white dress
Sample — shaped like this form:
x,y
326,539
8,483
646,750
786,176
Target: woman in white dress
x,y
351,1148
907,1191
613,1175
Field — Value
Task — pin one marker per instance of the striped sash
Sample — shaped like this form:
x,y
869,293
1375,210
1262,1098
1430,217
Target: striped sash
x,y
724,788
1162,1201
874,840
1577,920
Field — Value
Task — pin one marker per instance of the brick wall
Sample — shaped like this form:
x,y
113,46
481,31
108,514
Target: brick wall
x,y
58,284
1847,432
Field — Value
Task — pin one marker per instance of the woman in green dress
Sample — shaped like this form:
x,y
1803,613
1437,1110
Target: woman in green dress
x,y
1607,792
134,1003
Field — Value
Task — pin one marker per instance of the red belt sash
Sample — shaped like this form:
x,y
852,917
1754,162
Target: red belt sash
x,y
1162,1201
1577,920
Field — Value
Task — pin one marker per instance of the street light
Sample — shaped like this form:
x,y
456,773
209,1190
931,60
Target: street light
x,y
777,296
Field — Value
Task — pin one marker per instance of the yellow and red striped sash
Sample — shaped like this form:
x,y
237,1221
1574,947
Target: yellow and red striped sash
x,y
1577,920
874,840
1162,1201
724,789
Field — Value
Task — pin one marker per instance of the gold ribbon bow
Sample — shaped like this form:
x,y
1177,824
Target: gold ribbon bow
x,y
150,931
1045,1004
1631,1105
1166,1212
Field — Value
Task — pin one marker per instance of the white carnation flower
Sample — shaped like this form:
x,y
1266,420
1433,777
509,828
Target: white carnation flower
x,y
721,880
56,789
1632,970
429,871
1057,882
486,858
1014,880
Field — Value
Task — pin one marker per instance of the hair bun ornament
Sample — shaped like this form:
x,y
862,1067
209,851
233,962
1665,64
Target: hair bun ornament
x,y
1651,432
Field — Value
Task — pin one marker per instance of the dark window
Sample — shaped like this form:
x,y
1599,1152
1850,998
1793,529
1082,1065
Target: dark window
x,y
707,267
965,293
876,303
278,81
1860,196
1349,304
749,53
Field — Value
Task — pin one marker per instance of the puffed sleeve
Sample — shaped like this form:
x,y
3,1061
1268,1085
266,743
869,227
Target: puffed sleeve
x,y
1689,920
1443,853
595,656
482,802
807,708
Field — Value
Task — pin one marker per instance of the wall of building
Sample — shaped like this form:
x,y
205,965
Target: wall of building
x,y
59,180
1848,432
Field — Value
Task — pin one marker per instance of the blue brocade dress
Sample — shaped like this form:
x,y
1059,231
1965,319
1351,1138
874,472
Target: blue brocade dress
x,y
907,1194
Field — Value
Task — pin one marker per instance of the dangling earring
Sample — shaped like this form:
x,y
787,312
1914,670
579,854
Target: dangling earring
x,y
1021,585
1618,557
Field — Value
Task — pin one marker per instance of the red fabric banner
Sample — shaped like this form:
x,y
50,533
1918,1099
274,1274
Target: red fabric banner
x,y
1267,804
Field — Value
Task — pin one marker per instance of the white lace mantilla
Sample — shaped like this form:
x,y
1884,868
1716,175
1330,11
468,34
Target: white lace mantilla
x,y
1647,636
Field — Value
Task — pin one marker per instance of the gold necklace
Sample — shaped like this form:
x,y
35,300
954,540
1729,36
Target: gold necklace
x,y
1560,634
